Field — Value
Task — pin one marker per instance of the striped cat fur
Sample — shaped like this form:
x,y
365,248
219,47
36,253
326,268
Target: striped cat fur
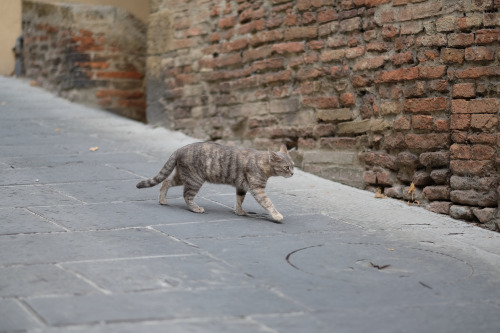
x,y
246,169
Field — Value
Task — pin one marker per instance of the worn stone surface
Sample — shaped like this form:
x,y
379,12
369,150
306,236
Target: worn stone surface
x,y
86,251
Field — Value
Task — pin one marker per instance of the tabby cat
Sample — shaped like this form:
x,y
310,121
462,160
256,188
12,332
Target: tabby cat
x,y
245,169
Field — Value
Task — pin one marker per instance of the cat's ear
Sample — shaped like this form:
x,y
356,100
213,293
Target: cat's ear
x,y
274,157
283,149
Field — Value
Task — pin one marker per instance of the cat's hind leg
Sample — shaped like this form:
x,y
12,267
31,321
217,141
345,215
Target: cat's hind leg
x,y
261,197
240,196
191,188
173,179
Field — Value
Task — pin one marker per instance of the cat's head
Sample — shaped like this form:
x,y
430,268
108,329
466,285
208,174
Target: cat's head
x,y
281,162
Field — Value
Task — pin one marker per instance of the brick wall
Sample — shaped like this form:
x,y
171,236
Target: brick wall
x,y
89,54
373,93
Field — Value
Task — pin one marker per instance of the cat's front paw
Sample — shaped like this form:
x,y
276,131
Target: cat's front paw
x,y
277,217
163,201
240,212
198,209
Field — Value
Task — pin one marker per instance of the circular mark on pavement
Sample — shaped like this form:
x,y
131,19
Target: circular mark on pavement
x,y
338,260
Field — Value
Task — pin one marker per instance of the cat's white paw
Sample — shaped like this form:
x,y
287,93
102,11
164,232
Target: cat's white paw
x,y
240,212
277,217
163,201
198,209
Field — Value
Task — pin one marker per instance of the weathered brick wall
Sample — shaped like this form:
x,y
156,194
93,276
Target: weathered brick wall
x,y
373,93
90,54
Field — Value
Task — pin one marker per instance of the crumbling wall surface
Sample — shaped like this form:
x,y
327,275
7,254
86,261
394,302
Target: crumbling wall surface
x,y
90,54
373,93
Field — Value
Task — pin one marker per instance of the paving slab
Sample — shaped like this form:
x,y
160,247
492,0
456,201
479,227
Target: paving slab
x,y
83,250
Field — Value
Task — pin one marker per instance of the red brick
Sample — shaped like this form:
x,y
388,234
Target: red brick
x,y
308,18
321,102
459,121
315,45
291,47
324,130
355,52
338,143
435,40
464,90
347,99
425,105
436,192
486,105
397,75
292,19
477,72
394,141
309,73
402,123
332,55
239,44
389,31
350,25
360,81
435,159
431,72
450,56
327,15
460,40
369,63
487,36
460,152
439,85
301,33
339,71
482,152
228,22
379,159
441,125
485,122
427,141
422,122
440,207
402,58
265,37
277,77
378,47
482,138
257,53
479,53
272,63
274,22
93,64
472,168
252,27
228,60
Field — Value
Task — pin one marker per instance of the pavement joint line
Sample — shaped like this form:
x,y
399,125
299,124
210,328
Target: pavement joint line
x,y
26,307
184,241
84,278
47,219
65,194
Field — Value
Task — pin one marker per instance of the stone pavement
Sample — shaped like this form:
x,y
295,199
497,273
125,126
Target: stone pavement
x,y
83,250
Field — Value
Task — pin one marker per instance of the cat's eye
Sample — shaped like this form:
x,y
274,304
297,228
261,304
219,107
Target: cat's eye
x,y
287,168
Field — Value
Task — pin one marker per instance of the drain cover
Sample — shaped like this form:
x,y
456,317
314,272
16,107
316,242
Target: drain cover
x,y
338,260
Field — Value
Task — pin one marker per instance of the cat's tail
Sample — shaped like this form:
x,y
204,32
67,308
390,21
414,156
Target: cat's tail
x,y
161,176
